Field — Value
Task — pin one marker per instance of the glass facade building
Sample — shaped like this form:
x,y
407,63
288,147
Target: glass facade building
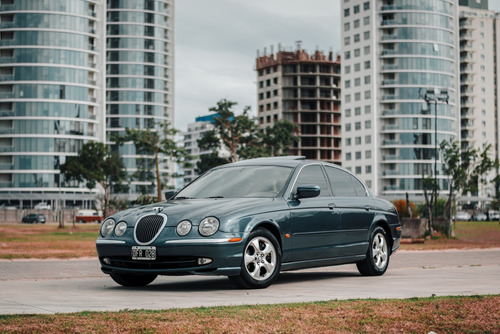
x,y
139,77
50,101
400,49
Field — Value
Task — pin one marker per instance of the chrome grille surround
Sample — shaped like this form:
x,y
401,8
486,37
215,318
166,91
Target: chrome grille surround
x,y
149,227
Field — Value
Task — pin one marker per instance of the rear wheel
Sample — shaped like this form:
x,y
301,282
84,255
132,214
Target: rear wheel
x,y
377,257
261,261
132,280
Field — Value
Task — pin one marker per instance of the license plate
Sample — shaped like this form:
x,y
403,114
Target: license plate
x,y
143,253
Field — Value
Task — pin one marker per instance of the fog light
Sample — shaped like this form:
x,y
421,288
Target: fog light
x,y
106,260
204,260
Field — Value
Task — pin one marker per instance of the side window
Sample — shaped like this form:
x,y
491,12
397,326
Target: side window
x,y
341,182
358,186
313,175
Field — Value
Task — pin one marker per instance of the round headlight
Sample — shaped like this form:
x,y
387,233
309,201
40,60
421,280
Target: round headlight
x,y
184,227
120,229
208,226
107,227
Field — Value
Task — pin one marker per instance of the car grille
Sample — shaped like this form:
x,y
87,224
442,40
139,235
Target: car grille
x,y
148,228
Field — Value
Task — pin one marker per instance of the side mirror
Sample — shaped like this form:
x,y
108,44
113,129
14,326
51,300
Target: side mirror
x,y
307,191
169,194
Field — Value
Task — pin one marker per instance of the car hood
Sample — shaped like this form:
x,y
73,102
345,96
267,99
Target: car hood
x,y
195,210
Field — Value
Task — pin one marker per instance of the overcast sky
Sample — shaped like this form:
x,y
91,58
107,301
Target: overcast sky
x,y
217,41
216,45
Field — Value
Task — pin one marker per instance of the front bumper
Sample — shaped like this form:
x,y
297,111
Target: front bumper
x,y
173,257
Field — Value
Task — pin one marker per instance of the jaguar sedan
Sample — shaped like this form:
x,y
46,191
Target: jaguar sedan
x,y
249,221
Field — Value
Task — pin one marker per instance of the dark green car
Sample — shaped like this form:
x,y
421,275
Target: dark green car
x,y
250,220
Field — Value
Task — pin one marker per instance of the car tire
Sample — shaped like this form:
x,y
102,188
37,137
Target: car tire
x,y
261,262
377,257
132,280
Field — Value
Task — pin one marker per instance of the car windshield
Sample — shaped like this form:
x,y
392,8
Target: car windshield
x,y
237,182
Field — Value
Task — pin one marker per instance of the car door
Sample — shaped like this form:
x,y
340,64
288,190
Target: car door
x,y
355,207
315,225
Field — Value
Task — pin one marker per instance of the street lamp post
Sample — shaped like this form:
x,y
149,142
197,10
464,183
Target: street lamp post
x,y
434,95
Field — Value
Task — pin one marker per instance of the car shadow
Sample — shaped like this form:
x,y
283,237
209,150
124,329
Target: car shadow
x,y
221,283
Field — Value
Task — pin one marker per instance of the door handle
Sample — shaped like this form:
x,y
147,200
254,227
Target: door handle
x,y
331,206
367,207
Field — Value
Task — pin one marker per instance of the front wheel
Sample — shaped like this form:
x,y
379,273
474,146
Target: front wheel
x,y
377,257
261,261
132,280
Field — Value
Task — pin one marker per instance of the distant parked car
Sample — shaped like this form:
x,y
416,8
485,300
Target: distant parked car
x,y
85,216
34,218
479,216
42,206
463,215
494,215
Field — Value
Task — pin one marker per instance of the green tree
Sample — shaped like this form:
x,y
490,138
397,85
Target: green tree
x,y
155,141
241,137
97,164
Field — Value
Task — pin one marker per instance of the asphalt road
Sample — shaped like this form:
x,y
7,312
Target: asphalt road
x,y
61,286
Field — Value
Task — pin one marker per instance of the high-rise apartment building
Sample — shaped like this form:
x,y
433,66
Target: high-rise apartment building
x,y
303,89
73,72
395,51
139,77
479,54
51,94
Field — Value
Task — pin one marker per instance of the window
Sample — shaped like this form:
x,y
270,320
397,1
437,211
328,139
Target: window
x,y
347,40
368,94
357,52
275,92
367,64
347,12
348,142
347,26
366,5
348,156
368,154
357,38
358,169
261,84
368,109
366,20
348,113
357,82
356,9
358,155
348,127
368,124
313,175
367,79
356,24
347,69
347,55
347,98
347,84
357,126
358,186
268,82
368,139
357,140
366,35
357,111
357,67
366,50
340,182
368,169
357,96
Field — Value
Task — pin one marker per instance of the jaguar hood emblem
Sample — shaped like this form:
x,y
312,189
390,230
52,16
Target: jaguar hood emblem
x,y
157,209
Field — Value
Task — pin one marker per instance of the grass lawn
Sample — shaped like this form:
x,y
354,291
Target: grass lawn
x,y
47,241
475,314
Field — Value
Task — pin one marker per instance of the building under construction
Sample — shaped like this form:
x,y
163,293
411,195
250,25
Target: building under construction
x,y
304,89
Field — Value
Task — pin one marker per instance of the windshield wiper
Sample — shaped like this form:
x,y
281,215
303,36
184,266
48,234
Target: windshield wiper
x,y
216,197
182,197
